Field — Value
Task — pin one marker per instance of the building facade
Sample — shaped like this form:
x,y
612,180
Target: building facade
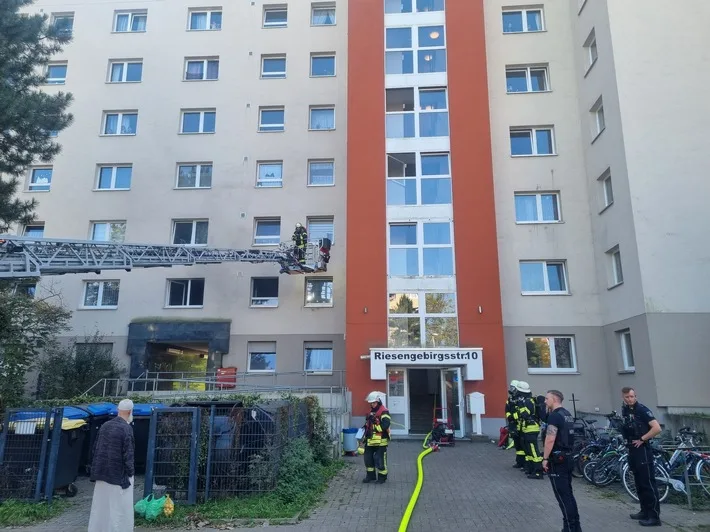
x,y
513,192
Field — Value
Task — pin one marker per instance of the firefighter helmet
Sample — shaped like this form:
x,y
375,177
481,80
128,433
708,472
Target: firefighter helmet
x,y
522,387
373,397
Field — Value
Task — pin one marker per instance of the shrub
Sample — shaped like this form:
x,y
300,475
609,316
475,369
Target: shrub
x,y
299,473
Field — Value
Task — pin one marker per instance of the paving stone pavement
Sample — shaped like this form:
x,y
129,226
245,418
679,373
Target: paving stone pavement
x,y
468,487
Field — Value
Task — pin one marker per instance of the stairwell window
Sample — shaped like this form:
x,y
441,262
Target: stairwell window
x,y
267,232
318,357
194,175
130,22
399,55
321,119
431,324
627,350
120,123
398,6
431,53
425,6
100,295
117,177
543,277
40,179
319,292
108,231
185,293
262,357
536,141
265,292
190,232
551,354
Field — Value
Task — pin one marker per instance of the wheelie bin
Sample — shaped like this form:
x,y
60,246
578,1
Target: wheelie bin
x,y
74,430
141,430
98,414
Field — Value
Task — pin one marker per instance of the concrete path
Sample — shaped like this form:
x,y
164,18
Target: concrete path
x,y
469,487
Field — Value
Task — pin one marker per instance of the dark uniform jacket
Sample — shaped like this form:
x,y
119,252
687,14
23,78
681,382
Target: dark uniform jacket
x,y
114,455
637,421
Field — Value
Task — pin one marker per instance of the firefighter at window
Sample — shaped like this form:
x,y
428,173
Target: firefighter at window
x,y
513,419
377,437
300,239
530,427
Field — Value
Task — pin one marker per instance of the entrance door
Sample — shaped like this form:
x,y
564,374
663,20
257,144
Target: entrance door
x,y
397,401
452,392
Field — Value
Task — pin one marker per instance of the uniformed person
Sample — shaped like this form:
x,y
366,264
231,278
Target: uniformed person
x,y
530,428
300,240
639,427
512,416
556,461
377,437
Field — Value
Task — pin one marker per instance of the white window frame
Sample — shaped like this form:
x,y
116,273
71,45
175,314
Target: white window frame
x,y
533,138
60,15
120,115
260,348
114,168
417,111
39,187
626,347
131,15
169,283
306,292
524,14
419,176
591,50
553,354
205,64
606,186
101,284
310,169
269,182
320,108
322,55
273,75
272,9
616,269
422,315
538,203
198,177
546,279
528,69
257,242
420,246
266,300
201,130
57,81
322,7
124,73
109,224
320,220
270,127
209,13
597,112
194,223
312,345
29,227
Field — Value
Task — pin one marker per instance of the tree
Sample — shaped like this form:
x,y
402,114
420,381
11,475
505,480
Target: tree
x,y
27,115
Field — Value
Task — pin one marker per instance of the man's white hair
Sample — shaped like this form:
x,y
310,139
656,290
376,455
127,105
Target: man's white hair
x,y
125,405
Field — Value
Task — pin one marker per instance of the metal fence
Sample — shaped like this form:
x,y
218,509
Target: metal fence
x,y
208,451
29,449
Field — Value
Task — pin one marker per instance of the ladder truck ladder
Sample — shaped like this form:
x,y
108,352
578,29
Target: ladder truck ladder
x,y
26,257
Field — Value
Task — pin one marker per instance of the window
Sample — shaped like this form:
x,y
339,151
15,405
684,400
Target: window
x,y
322,65
262,357
101,294
194,121
617,273
114,177
522,20
551,354
398,6
267,232
399,118
120,123
435,253
125,71
319,292
265,292
202,20
201,69
40,179
319,228
322,14
436,180
597,112
63,23
271,119
431,54
318,357
412,324
424,6
532,141
432,117
590,47
194,175
403,252
430,185
537,207
108,231
275,16
607,192
269,174
190,232
627,350
526,79
56,73
35,230
185,293
321,173
27,289
273,66
321,118
399,57
53,133
130,22
543,277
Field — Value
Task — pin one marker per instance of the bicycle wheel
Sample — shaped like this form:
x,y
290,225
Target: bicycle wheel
x,y
581,458
588,470
702,473
606,471
629,482
663,482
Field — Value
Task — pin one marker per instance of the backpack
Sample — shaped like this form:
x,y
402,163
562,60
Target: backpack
x,y
540,407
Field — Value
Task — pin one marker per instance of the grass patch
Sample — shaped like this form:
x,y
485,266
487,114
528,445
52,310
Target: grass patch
x,y
26,513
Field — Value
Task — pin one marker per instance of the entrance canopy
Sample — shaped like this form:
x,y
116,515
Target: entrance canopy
x,y
470,358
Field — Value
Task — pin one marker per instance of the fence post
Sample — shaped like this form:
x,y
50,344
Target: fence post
x,y
42,454
150,459
689,495
194,445
53,453
208,473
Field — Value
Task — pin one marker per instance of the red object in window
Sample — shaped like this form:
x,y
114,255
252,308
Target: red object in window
x,y
226,378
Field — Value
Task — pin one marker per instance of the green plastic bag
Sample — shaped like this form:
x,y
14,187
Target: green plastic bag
x,y
154,508
141,506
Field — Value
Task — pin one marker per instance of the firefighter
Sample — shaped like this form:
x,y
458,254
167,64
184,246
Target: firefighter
x,y
377,437
530,427
300,239
513,419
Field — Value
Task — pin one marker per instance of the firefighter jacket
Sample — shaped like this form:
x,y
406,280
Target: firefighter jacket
x,y
300,237
511,415
377,428
530,423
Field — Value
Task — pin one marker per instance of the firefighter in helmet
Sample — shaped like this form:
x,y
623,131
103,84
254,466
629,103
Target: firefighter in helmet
x,y
300,239
377,437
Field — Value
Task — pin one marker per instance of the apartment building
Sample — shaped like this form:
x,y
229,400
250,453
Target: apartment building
x,y
519,189
205,125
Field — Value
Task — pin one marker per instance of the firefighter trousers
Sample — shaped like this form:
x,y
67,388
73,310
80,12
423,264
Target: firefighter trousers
x,y
519,450
376,462
533,459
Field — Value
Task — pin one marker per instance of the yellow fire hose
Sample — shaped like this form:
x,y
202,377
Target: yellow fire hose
x,y
404,523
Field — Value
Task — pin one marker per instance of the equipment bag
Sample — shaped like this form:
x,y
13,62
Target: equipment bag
x,y
540,407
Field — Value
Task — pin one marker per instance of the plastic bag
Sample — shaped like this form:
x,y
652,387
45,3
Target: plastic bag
x,y
169,506
154,508
141,506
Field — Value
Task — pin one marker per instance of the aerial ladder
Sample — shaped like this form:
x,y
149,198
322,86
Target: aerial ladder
x,y
27,257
